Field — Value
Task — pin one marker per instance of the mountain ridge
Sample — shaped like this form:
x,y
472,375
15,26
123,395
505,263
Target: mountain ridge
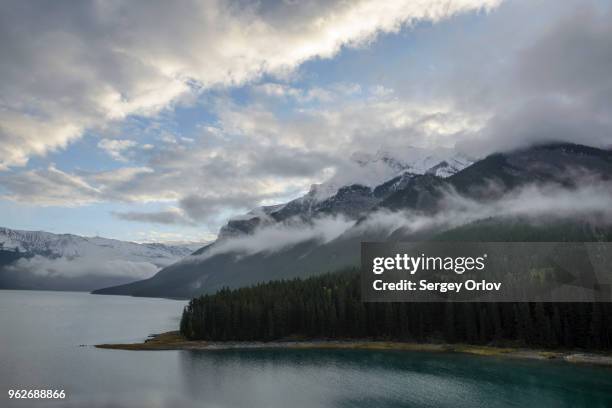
x,y
37,241
44,260
425,195
351,199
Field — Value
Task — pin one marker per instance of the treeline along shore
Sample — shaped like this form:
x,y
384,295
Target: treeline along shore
x,y
330,307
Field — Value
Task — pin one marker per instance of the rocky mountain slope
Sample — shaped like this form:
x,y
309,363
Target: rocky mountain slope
x,y
535,185
353,195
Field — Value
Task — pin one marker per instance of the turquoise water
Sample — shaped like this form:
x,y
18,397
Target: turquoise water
x,y
41,334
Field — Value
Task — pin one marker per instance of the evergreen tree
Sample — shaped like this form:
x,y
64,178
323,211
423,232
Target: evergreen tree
x,y
330,306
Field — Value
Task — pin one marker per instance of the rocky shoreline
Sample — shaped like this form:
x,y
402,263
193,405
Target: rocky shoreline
x,y
174,341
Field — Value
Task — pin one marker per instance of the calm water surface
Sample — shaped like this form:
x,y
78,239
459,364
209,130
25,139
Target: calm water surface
x,y
40,334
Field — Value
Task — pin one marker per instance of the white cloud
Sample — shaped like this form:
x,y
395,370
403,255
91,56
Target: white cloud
x,y
194,240
77,267
115,148
120,175
221,172
23,135
535,203
54,187
277,237
50,186
492,87
70,68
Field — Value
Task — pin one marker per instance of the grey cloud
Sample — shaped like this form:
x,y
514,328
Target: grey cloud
x,y
552,85
288,162
574,58
210,208
49,186
541,120
167,217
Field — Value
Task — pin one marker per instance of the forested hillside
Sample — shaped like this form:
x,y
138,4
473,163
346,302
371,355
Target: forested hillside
x,y
330,307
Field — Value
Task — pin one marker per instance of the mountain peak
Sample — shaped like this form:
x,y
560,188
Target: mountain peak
x,y
394,201
352,193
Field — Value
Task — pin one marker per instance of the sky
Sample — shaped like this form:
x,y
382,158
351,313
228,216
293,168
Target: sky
x,y
157,121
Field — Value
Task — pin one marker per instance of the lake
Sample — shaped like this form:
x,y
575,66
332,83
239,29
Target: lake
x,y
41,334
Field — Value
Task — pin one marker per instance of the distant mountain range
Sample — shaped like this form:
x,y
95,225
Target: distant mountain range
x,y
42,260
547,192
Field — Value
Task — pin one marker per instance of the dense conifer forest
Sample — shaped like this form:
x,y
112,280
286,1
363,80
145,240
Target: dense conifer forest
x,y
330,307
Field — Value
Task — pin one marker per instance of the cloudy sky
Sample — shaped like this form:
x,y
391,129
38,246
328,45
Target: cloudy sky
x,y
155,121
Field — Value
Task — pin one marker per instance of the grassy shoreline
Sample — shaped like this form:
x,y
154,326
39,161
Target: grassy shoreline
x,y
174,341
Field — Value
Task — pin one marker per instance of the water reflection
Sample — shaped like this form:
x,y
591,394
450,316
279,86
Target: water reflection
x,y
352,378
40,334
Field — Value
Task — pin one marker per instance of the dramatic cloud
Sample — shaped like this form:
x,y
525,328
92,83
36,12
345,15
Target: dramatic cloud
x,y
573,59
266,160
230,106
69,68
558,86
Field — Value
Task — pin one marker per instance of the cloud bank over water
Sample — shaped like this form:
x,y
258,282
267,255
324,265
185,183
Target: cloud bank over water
x,y
84,266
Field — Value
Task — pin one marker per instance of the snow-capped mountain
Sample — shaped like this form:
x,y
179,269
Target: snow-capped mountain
x,y
407,207
415,160
350,193
42,260
74,246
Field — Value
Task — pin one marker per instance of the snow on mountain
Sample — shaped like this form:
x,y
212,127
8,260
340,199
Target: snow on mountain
x,y
450,166
506,186
372,170
352,191
45,261
73,246
416,160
